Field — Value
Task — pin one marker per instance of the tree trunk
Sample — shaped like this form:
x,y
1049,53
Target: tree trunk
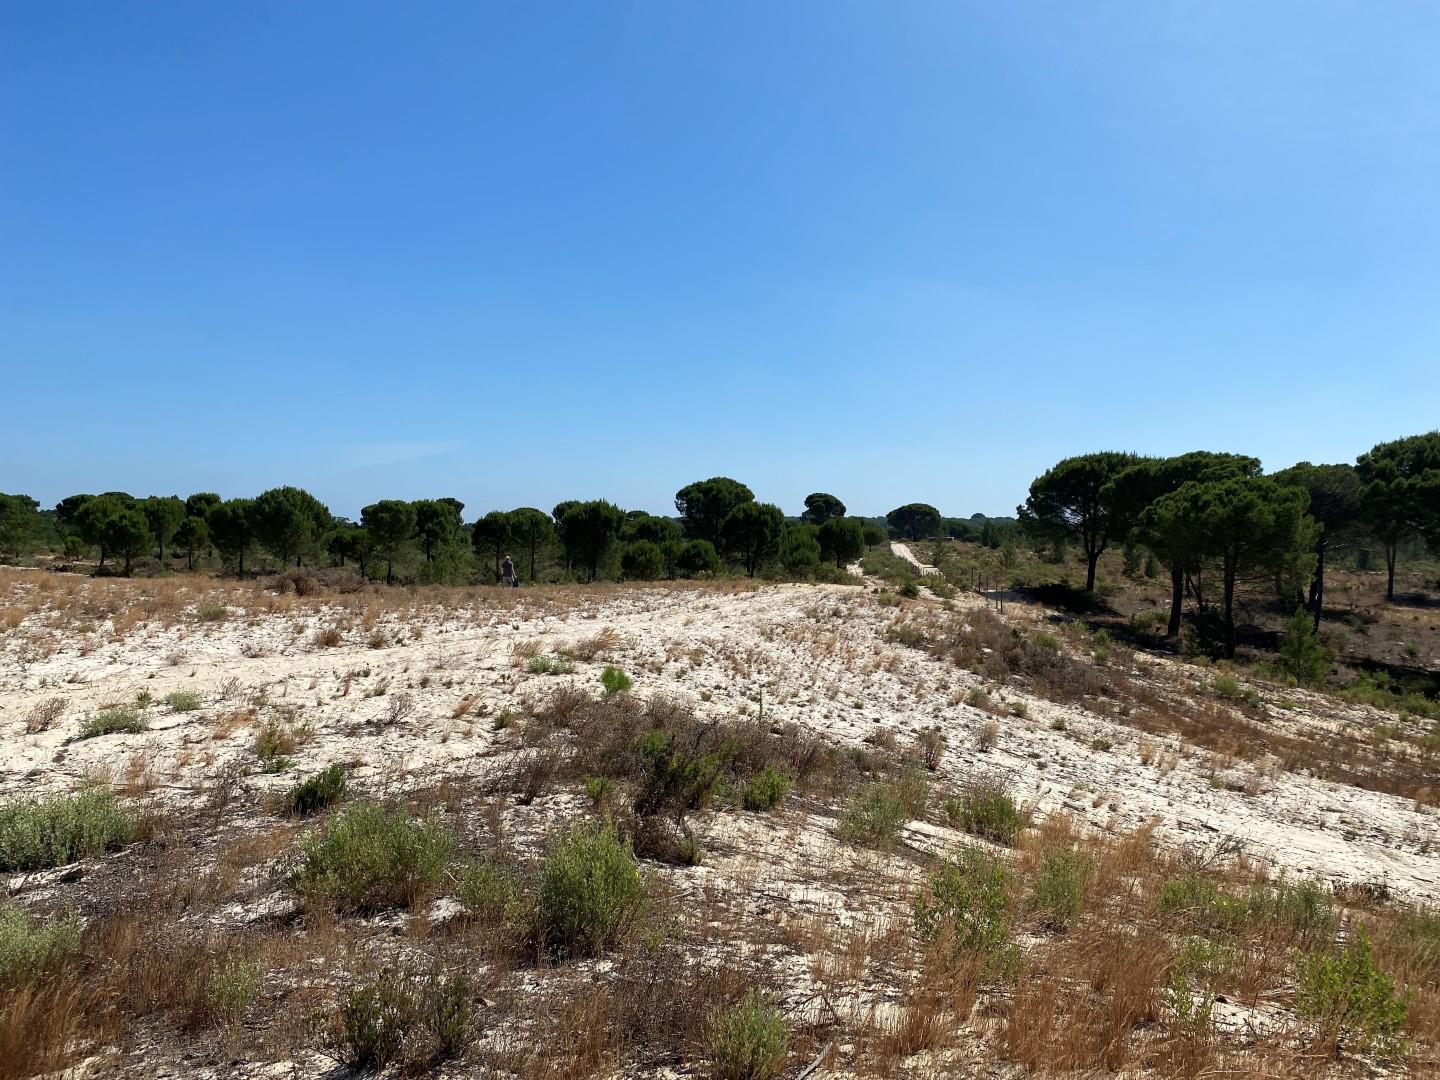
x,y
1228,603
1317,583
1177,598
390,572
1091,558
1391,547
127,564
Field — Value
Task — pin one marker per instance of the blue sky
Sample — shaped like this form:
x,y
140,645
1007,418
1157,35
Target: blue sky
x,y
516,253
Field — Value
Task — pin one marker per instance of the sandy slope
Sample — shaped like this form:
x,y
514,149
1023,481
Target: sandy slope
x,y
815,655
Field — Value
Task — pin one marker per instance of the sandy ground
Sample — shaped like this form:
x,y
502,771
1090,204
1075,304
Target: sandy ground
x,y
903,551
814,655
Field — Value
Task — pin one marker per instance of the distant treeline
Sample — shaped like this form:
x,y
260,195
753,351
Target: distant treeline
x,y
719,528
1215,520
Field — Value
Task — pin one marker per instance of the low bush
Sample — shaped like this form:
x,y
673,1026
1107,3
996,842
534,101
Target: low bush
x,y
1349,999
591,891
766,789
985,808
749,1041
615,681
314,793
212,612
1061,882
30,947
117,719
675,777
369,858
183,700
37,835
967,910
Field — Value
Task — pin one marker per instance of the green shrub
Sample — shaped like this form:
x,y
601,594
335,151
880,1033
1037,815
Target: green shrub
x,y
1305,907
615,681
316,792
766,789
591,891
1227,687
674,779
183,700
967,908
1302,654
985,808
29,947
232,989
212,612
369,857
749,1041
1060,885
549,665
874,816
38,835
117,719
490,890
910,590
1350,1000
1202,903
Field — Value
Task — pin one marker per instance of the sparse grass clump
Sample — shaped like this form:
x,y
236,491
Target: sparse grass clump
x,y
749,1040
985,808
183,700
273,745
615,681
1304,909
400,1015
876,814
314,793
38,835
30,947
212,612
967,909
490,890
115,720
370,858
232,989
766,789
1349,999
591,891
549,665
1061,882
44,715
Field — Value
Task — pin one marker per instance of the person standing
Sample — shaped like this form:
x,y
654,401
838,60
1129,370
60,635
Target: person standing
x,y
507,573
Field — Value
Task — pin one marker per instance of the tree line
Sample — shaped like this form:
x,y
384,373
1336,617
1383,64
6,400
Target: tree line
x,y
1215,520
719,528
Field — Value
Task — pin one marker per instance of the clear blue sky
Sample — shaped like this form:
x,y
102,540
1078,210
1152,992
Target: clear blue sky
x,y
518,252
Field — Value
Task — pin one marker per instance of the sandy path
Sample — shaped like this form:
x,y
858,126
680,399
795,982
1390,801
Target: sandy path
x,y
904,552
